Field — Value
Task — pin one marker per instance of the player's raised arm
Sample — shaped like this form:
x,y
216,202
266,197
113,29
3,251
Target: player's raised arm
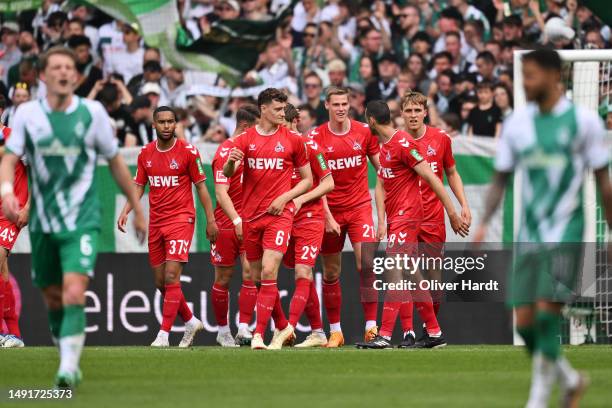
x,y
459,226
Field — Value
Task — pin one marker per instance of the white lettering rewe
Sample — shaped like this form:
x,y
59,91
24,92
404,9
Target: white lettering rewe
x,y
273,163
164,181
345,163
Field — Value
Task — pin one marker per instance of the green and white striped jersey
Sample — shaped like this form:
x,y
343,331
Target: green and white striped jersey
x,y
62,150
554,150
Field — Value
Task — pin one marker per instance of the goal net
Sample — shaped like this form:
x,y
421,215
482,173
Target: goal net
x,y
587,79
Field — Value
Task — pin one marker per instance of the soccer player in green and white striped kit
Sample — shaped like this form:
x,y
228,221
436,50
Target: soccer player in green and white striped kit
x,y
61,136
553,142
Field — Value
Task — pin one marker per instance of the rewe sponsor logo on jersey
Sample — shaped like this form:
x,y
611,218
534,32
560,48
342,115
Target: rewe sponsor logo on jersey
x,y
164,181
279,148
345,163
431,151
260,163
386,172
174,165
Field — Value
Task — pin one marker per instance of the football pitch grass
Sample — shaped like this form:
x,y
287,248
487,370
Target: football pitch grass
x,y
455,376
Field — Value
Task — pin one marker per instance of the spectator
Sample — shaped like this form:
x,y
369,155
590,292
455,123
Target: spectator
x,y
467,105
593,39
74,27
503,100
18,94
473,32
256,10
512,28
505,77
421,44
313,88
139,131
450,123
174,90
54,29
307,119
9,50
110,39
274,65
88,73
357,101
306,11
84,14
336,69
29,51
110,96
386,86
440,62
453,46
471,13
227,9
405,83
442,91
409,25
485,119
485,63
152,90
371,45
152,72
367,70
28,73
450,20
304,56
127,63
417,66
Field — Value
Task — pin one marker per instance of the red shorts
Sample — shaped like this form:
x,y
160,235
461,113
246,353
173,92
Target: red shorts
x,y
432,238
8,234
305,243
227,248
357,223
170,243
402,237
269,231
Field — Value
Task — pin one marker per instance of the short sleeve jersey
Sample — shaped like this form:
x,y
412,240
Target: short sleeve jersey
x,y
234,183
398,157
268,165
20,182
62,149
170,175
435,145
347,158
553,150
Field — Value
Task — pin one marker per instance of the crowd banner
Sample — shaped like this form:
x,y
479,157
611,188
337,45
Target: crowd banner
x,y
474,157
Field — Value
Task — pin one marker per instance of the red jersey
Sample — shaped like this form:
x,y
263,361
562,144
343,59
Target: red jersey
x,y
398,156
347,158
268,165
169,175
234,182
312,209
436,145
20,183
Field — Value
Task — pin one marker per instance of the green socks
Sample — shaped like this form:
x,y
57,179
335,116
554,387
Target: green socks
x,y
55,322
528,335
547,334
73,321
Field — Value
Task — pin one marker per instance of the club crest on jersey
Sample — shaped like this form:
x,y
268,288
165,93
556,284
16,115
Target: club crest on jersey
x,y
356,146
279,148
174,165
431,151
149,163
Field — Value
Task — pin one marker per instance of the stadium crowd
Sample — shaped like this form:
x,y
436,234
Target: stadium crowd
x,y
457,52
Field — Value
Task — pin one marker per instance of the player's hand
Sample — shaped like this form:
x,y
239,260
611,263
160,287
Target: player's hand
x,y
277,206
22,218
235,155
140,226
331,226
466,215
298,205
381,231
212,231
458,225
122,222
10,207
239,233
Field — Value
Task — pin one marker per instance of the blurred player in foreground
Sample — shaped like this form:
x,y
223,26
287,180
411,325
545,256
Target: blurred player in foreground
x,y
552,142
62,136
170,166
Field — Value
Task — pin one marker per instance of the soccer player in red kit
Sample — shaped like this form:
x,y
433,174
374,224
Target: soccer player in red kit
x,y
437,150
170,166
269,152
8,235
348,144
401,164
306,238
229,244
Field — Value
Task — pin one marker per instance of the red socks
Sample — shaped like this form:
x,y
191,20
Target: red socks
x,y
426,312
313,308
266,299
280,321
370,310
172,302
220,300
299,300
405,313
2,305
393,301
246,301
183,310
332,299
10,314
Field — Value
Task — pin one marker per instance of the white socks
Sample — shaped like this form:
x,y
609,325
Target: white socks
x,y
369,324
543,376
70,352
335,327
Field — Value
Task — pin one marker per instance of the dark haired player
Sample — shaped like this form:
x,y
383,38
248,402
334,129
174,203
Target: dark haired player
x,y
170,165
553,142
269,152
